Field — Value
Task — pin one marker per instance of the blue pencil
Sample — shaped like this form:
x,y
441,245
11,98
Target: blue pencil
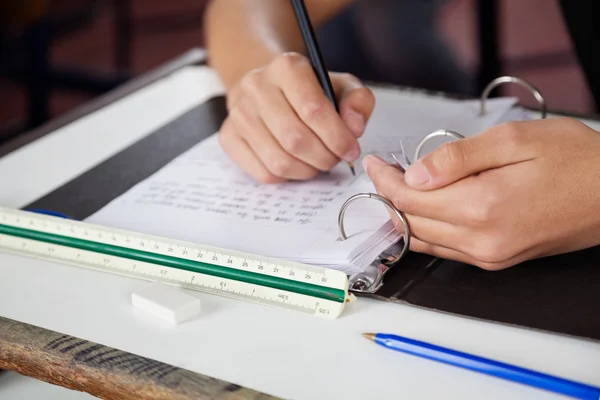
x,y
486,366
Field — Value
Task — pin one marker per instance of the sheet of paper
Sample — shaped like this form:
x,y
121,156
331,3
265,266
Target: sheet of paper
x,y
407,119
203,197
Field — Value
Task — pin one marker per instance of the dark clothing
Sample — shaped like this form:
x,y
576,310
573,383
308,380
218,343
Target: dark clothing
x,y
581,19
395,41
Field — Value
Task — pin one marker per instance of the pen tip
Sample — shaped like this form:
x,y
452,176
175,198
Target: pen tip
x,y
370,336
352,169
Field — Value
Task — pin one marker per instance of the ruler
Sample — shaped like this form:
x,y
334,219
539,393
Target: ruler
x,y
296,286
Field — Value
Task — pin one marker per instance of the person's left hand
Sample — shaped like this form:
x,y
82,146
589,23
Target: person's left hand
x,y
515,192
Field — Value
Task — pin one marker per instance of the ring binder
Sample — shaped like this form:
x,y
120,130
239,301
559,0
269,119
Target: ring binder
x,y
440,132
555,294
371,279
511,79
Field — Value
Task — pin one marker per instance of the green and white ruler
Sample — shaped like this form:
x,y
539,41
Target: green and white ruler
x,y
305,288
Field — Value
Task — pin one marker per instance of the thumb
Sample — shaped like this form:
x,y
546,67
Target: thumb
x,y
355,100
496,147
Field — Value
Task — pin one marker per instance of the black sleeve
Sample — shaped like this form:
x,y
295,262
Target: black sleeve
x,y
581,19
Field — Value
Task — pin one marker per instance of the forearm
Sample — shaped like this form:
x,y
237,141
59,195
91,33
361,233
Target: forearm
x,y
242,35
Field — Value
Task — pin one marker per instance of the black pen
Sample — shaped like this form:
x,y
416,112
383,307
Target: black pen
x,y
314,54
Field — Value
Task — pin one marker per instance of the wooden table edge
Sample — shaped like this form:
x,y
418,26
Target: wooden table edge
x,y
103,371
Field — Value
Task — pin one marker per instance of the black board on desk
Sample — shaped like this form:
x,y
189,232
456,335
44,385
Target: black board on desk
x,y
558,294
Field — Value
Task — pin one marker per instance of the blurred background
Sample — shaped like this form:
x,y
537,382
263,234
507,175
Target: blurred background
x,y
56,54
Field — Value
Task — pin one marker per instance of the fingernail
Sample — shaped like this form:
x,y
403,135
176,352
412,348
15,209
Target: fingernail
x,y
356,122
417,174
370,162
352,154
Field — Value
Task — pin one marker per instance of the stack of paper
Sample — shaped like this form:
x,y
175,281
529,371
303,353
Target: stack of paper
x,y
203,197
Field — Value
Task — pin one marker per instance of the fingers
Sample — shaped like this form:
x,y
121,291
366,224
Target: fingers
x,y
240,153
498,146
356,102
389,182
420,246
297,80
292,135
435,232
432,232
452,222
282,115
263,144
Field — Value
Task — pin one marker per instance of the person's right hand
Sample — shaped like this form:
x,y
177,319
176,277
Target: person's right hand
x,y
281,125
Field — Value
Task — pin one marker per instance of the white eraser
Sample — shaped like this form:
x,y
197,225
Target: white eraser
x,y
166,302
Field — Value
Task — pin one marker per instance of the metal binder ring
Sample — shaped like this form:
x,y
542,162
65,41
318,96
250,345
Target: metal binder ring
x,y
511,79
405,228
441,132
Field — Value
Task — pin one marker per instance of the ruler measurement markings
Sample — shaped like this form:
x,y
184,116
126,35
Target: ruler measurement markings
x,y
232,258
221,286
174,274
287,296
305,267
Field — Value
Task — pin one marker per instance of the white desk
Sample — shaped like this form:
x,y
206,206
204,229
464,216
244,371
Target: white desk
x,y
269,350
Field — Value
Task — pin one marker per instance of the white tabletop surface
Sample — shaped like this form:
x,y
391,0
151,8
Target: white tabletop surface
x,y
267,349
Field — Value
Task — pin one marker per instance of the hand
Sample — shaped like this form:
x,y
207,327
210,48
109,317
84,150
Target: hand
x,y
281,125
515,192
